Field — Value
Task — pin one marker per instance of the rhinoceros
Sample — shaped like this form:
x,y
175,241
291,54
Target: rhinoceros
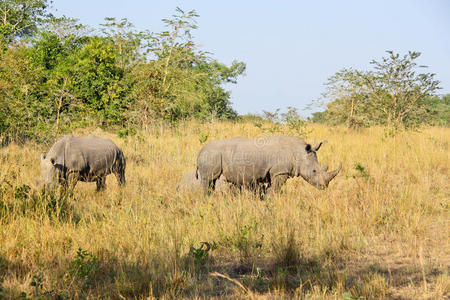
x,y
270,160
72,159
189,182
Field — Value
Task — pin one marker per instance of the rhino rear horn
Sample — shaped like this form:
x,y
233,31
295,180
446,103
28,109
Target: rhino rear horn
x,y
325,168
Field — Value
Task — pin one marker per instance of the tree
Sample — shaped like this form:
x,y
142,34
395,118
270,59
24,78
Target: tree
x,y
398,91
439,109
351,95
21,115
180,81
98,81
318,117
19,18
393,94
53,53
65,76
126,40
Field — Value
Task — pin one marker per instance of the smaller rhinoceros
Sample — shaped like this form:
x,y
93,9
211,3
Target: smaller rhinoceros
x,y
190,182
72,159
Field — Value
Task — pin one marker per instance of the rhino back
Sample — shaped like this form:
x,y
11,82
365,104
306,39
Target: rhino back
x,y
249,161
99,154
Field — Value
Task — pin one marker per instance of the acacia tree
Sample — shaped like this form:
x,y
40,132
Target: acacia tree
x,y
350,93
128,42
400,92
393,94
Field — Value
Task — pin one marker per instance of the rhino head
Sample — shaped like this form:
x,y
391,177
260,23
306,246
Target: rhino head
x,y
49,172
312,172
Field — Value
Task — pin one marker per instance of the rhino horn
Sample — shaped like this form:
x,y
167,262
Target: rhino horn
x,y
332,174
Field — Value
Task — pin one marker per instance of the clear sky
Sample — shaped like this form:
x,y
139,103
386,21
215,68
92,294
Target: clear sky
x,y
292,47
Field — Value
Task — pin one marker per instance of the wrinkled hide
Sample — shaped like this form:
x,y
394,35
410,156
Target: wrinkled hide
x,y
252,162
88,159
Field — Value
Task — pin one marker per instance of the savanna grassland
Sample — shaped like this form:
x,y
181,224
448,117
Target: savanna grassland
x,y
379,231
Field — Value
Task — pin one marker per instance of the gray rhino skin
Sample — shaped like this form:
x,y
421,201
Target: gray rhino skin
x,y
88,159
189,182
252,162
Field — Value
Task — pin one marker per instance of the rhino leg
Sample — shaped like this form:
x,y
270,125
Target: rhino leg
x,y
101,183
71,181
261,190
208,185
257,188
277,182
120,176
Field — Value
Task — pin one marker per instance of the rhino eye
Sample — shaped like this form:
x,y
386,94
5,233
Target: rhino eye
x,y
314,171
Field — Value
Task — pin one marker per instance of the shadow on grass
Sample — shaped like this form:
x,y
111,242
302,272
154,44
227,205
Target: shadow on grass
x,y
400,276
162,275
189,275
8,268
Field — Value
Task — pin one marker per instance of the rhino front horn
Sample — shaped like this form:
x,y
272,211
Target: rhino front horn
x,y
332,174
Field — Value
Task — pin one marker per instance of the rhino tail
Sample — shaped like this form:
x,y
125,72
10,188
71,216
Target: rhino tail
x,y
120,166
122,159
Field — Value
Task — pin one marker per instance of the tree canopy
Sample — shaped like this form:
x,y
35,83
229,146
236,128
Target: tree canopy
x,y
19,18
65,75
395,93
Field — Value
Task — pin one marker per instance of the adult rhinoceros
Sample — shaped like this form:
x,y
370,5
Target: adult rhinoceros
x,y
87,159
252,162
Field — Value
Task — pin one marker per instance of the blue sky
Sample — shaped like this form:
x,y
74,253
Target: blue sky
x,y
292,47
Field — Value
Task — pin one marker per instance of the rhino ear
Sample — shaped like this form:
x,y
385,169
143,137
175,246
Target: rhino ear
x,y
308,148
317,147
42,156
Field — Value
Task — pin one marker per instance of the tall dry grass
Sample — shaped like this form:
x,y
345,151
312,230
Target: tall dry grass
x,y
381,229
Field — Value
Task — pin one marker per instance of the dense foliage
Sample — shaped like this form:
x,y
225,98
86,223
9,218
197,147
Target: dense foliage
x,y
56,74
20,18
394,94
